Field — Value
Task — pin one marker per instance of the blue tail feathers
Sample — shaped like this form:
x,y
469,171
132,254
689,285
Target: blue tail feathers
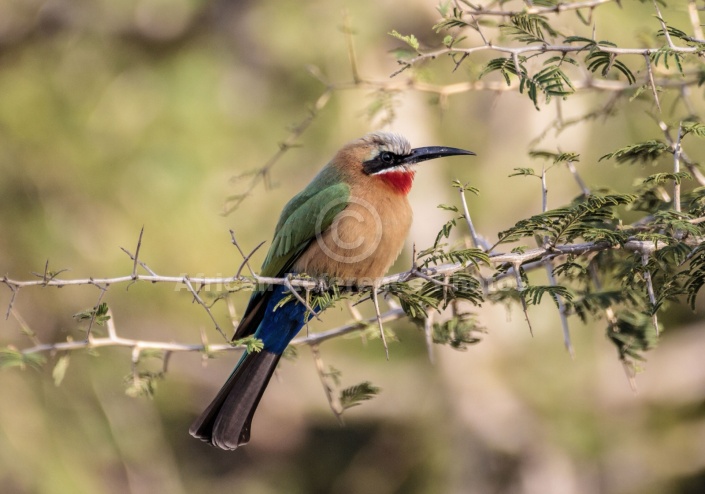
x,y
226,423
281,324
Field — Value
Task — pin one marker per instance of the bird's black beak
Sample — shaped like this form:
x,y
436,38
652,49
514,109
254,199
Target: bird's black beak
x,y
431,153
387,160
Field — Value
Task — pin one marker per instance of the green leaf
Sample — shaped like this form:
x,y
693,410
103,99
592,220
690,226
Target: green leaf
x,y
413,302
665,53
605,62
660,178
504,66
529,28
633,333
525,172
142,384
645,152
11,357
100,313
451,20
534,293
695,128
355,395
589,43
465,187
457,332
409,40
556,157
251,343
436,256
593,216
459,286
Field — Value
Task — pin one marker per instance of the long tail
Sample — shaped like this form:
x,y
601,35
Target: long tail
x,y
227,420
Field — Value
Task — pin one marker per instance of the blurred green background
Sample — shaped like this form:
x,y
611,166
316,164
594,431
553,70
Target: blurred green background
x,y
118,115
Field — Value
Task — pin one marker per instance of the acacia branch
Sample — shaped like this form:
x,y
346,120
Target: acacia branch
x,y
553,9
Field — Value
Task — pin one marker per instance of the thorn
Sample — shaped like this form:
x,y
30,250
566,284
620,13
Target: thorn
x,y
375,300
289,286
137,254
428,332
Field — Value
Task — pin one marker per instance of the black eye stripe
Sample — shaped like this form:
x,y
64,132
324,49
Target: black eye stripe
x,y
383,161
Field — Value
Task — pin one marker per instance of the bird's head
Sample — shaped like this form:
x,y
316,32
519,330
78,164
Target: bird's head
x,y
390,158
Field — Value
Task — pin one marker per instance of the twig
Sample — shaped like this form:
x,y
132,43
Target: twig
x,y
103,290
198,299
14,289
666,34
677,169
583,188
284,146
333,401
26,329
652,84
557,8
561,311
520,289
348,31
245,258
134,276
650,289
695,20
692,167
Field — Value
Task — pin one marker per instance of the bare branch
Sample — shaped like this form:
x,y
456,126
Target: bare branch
x,y
557,8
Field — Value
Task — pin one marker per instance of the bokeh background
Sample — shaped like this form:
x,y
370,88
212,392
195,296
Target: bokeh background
x,y
119,115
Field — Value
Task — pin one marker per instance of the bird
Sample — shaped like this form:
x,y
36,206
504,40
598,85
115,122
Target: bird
x,y
349,225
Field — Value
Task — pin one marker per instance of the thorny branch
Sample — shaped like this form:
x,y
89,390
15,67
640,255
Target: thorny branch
x,y
528,259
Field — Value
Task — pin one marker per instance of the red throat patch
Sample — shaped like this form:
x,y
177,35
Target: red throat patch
x,y
399,181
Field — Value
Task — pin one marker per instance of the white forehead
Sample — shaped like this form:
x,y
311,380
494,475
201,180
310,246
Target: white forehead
x,y
387,141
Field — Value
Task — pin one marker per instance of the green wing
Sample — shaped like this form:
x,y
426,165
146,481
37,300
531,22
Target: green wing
x,y
310,212
306,215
